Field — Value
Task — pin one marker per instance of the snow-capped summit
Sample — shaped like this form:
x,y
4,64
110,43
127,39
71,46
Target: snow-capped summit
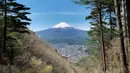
x,y
62,25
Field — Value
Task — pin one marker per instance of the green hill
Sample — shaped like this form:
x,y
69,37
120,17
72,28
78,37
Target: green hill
x,y
37,56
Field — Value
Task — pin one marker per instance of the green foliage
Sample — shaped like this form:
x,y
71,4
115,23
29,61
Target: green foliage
x,y
93,48
91,63
101,10
34,56
107,7
17,17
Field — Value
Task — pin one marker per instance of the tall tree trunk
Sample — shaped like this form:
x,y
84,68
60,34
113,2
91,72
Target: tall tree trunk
x,y
102,39
5,26
1,23
122,47
124,21
128,16
124,17
110,22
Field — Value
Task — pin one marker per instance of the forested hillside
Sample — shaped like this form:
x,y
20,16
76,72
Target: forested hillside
x,y
21,51
109,46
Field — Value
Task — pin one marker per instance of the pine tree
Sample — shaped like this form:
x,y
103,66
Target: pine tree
x,y
98,18
1,23
122,47
15,20
5,26
19,14
128,16
102,38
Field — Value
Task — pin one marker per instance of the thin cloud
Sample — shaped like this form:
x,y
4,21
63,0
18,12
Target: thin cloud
x,y
70,13
61,13
83,26
38,14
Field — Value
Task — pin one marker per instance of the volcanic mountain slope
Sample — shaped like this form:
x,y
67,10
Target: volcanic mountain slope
x,y
68,41
63,33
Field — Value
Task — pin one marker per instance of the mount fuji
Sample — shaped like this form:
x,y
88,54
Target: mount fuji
x,y
68,41
63,33
62,25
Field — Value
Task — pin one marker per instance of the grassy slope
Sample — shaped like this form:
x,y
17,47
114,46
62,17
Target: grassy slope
x,y
91,64
36,56
113,56
48,54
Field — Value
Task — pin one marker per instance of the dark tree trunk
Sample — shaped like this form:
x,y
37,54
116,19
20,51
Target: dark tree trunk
x,y
124,21
122,47
128,16
102,39
5,26
124,17
110,22
1,23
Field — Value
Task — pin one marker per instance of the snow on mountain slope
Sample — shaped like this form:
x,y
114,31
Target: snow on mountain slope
x,y
62,25
63,33
68,41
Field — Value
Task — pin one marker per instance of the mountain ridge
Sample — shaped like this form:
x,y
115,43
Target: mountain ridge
x,y
68,35
69,42
62,25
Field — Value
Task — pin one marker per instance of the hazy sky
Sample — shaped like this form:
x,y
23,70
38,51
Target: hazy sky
x,y
48,13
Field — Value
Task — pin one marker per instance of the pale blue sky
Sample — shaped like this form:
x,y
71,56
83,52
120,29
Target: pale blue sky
x,y
47,13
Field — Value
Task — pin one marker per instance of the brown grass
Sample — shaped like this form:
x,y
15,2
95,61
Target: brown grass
x,y
47,54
